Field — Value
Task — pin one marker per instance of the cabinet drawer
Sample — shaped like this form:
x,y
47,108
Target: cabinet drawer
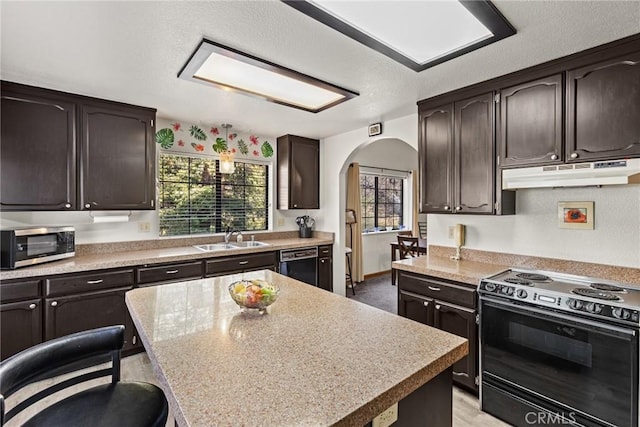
x,y
171,272
93,281
19,290
435,288
324,251
217,267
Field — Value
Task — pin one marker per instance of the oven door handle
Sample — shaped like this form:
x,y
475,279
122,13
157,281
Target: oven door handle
x,y
603,327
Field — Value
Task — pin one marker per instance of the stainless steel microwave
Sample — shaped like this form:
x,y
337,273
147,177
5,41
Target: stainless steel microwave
x,y
21,247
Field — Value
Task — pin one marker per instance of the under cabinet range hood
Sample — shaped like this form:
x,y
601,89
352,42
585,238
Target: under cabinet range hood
x,y
610,172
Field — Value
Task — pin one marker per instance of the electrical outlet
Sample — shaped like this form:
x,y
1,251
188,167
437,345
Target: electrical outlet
x,y
451,232
144,227
280,222
386,418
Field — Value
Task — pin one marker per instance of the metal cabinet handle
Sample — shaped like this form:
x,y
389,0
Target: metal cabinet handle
x,y
243,262
446,207
425,303
94,282
134,340
554,157
458,208
433,288
574,155
54,303
32,306
295,206
460,374
322,260
87,205
67,205
437,306
172,271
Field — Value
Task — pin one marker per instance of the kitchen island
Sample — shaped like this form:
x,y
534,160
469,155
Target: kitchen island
x,y
315,358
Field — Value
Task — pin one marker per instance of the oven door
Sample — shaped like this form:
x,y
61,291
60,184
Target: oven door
x,y
570,364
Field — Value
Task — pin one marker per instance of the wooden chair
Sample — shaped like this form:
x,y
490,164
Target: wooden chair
x,y
422,228
112,404
405,233
408,247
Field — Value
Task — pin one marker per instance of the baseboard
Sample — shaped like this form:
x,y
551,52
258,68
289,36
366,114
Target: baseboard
x,y
379,273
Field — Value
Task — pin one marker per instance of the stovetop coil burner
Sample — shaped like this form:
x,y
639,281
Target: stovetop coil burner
x,y
595,293
533,276
606,287
517,281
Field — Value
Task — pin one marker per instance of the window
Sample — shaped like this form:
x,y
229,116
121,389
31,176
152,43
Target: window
x,y
382,200
196,198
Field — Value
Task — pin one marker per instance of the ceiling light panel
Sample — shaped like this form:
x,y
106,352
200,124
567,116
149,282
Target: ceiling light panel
x,y
230,69
418,34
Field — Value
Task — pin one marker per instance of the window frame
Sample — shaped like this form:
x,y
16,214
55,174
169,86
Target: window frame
x,y
376,204
218,196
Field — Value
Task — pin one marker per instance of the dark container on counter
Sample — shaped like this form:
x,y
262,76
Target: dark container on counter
x,y
305,231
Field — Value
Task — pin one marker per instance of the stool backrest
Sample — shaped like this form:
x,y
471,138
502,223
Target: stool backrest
x,y
422,228
55,357
408,247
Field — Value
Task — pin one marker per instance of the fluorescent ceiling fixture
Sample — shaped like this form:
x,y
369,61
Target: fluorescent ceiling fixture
x,y
418,34
231,69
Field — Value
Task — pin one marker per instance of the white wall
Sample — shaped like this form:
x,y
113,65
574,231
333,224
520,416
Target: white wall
x,y
534,229
390,154
336,153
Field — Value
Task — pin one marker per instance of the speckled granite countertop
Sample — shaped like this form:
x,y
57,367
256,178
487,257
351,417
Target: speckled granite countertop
x,y
476,264
301,364
119,255
463,271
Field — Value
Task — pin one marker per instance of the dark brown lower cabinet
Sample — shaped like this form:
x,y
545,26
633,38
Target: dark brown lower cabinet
x,y
74,313
20,326
448,306
240,264
325,267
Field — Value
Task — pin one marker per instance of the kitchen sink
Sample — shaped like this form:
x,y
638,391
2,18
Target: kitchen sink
x,y
227,246
215,247
250,244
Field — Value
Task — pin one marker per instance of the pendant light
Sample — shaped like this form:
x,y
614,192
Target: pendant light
x,y
226,156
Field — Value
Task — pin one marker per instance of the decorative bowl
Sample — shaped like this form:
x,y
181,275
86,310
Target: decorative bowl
x,y
254,293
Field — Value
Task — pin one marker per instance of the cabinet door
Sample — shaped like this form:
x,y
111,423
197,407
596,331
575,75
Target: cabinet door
x,y
416,307
436,160
474,155
460,321
70,314
531,123
20,326
298,172
603,107
38,164
325,273
118,158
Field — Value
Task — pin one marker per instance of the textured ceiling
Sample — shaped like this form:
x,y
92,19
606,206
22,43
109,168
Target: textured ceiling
x,y
132,52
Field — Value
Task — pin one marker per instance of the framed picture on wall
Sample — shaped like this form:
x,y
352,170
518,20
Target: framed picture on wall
x,y
375,129
576,215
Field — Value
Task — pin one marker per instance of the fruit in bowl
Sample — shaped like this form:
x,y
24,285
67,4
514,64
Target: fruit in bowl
x,y
254,293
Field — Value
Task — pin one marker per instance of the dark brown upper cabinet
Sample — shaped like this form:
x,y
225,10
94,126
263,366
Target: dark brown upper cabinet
x,y
530,131
603,110
62,151
298,172
38,164
456,158
117,168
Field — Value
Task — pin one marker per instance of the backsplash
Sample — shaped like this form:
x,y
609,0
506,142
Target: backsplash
x,y
534,229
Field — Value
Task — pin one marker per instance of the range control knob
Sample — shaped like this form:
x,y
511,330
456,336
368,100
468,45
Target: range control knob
x,y
490,287
592,307
576,304
621,313
521,293
507,290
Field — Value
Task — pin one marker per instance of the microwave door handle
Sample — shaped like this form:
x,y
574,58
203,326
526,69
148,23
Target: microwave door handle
x,y
601,327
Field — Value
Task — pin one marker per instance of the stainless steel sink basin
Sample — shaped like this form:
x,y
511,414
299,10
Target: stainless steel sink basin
x,y
215,247
250,244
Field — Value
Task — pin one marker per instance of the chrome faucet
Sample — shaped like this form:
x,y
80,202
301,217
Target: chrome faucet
x,y
228,233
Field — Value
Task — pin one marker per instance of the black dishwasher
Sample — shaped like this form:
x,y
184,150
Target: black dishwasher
x,y
300,264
